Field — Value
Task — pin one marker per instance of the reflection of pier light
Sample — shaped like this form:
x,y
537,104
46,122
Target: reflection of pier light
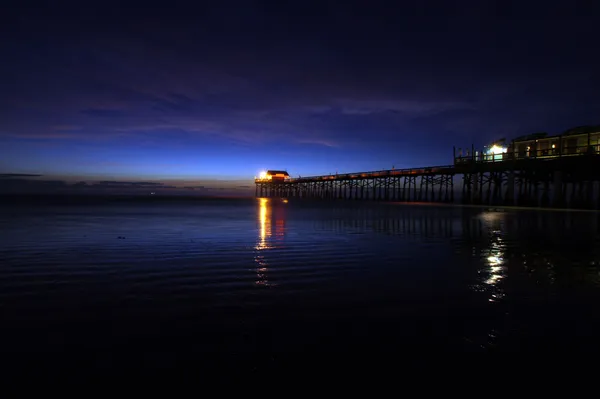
x,y
494,255
264,221
495,262
265,237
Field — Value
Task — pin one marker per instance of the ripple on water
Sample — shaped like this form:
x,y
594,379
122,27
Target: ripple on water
x,y
362,273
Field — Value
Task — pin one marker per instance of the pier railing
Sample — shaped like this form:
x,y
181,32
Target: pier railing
x,y
370,175
554,172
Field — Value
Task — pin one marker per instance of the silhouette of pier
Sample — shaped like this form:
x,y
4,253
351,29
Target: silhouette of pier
x,y
558,171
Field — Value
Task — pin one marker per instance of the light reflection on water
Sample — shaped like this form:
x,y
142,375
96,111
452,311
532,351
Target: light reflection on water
x,y
264,221
494,255
399,266
269,236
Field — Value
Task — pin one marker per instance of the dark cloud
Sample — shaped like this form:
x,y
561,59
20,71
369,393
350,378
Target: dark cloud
x,y
16,175
195,188
104,113
23,184
367,74
18,185
128,185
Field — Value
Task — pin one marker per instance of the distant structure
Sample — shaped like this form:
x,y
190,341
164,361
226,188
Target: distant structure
x,y
576,141
273,176
533,170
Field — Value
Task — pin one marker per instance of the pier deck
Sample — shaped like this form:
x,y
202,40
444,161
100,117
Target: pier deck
x,y
566,177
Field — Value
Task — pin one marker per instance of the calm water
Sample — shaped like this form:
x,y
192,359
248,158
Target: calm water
x,y
160,284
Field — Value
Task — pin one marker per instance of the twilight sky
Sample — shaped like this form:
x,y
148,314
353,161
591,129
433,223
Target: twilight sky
x,y
207,95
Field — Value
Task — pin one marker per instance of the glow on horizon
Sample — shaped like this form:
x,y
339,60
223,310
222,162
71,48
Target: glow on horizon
x,y
80,161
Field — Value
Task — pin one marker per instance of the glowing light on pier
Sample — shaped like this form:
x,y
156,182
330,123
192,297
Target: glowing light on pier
x,y
496,149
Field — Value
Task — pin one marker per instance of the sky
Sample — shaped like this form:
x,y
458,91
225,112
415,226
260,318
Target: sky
x,y
207,94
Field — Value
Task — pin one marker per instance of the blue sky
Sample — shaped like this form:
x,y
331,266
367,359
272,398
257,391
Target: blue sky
x,y
217,92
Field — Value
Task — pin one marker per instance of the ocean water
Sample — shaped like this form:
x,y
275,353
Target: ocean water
x,y
122,285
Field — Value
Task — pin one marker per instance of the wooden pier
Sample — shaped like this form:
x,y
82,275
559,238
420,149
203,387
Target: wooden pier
x,y
539,171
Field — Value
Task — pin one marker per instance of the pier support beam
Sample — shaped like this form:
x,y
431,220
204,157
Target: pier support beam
x,y
509,198
589,195
558,199
475,197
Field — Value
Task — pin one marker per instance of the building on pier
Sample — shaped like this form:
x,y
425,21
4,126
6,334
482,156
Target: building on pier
x,y
572,142
535,170
273,176
577,141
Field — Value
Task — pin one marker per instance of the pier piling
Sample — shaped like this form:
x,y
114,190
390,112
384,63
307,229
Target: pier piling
x,y
532,171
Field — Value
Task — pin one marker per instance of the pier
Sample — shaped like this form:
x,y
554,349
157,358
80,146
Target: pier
x,y
537,170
